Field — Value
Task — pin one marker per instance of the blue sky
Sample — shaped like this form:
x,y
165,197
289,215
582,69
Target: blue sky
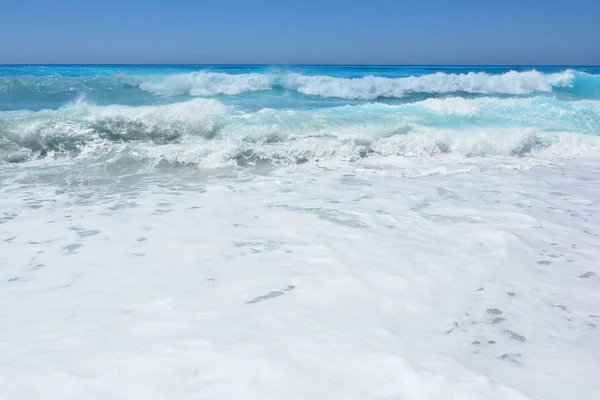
x,y
306,32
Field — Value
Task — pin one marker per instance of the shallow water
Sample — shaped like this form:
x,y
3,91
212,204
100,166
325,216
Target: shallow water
x,y
331,244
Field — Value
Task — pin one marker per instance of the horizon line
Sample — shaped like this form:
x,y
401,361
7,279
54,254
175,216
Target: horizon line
x,y
292,64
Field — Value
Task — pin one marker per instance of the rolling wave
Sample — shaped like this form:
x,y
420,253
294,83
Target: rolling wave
x,y
371,87
364,88
77,125
203,84
207,133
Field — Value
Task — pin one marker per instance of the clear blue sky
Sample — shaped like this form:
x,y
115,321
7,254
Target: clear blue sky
x,y
309,31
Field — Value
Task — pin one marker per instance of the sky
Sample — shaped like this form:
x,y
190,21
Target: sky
x,y
506,32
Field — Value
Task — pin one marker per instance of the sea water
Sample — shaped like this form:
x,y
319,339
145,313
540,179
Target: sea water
x,y
254,232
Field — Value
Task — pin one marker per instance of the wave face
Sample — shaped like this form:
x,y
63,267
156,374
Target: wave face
x,y
79,126
255,115
206,132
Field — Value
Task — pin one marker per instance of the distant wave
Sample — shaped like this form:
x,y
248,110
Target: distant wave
x,y
206,84
203,84
205,132
372,87
365,88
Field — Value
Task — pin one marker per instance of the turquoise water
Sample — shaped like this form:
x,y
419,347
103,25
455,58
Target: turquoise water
x,y
38,87
289,114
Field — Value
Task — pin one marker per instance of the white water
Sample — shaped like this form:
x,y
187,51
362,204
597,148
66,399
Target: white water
x,y
389,279
204,84
289,244
371,87
207,133
364,88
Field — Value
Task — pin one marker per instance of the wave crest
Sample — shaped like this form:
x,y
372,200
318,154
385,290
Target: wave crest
x,y
204,84
372,87
365,88
77,125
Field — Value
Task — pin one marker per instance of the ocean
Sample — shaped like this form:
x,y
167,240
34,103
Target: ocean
x,y
299,232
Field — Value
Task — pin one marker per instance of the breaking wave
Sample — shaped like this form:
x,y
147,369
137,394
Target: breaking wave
x,y
203,84
372,87
204,132
364,88
76,125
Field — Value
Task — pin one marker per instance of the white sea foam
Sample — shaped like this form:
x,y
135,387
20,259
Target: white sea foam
x,y
205,84
80,123
206,133
421,144
453,105
365,88
306,283
372,87
432,249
